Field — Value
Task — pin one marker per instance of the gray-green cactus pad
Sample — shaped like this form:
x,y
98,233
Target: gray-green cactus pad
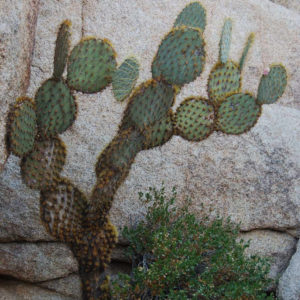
x,y
181,56
22,127
62,49
223,80
159,133
63,208
225,41
237,113
149,103
193,15
91,65
55,107
41,166
272,86
194,119
124,78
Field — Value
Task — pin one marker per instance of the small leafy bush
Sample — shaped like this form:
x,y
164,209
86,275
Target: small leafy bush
x,y
175,256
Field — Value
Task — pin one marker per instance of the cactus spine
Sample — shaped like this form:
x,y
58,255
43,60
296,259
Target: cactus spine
x,y
148,122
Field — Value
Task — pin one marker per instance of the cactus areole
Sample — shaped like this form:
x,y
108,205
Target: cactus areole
x,y
148,121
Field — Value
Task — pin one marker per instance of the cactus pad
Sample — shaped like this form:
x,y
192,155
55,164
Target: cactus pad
x,y
108,181
246,50
41,166
56,108
125,77
194,119
272,85
223,80
193,15
121,151
180,57
22,126
225,41
93,249
91,65
159,133
237,114
62,49
149,103
63,208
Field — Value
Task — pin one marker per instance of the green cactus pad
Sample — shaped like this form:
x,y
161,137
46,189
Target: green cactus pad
x,y
43,165
149,103
237,114
159,133
93,249
91,65
125,77
246,50
63,208
108,181
194,119
193,15
56,108
225,41
223,80
62,49
272,85
121,151
21,127
180,57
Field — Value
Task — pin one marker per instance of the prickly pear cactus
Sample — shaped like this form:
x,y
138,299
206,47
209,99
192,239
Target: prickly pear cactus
x,y
62,49
125,77
237,113
21,128
63,210
272,85
193,15
43,165
55,107
194,119
91,65
159,132
149,103
148,121
180,57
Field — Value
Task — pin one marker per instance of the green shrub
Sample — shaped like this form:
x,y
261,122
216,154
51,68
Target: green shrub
x,y
174,256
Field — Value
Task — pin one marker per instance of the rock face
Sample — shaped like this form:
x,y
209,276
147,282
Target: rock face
x,y
254,178
25,291
279,247
291,4
289,287
36,262
17,35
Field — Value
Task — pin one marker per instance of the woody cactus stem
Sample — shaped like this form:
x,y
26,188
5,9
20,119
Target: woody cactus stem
x,y
148,122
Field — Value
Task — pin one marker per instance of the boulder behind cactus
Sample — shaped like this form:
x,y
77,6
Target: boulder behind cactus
x,y
148,122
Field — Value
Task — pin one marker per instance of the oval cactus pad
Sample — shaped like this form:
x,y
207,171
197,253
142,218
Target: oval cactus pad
x,y
22,126
63,209
91,65
223,80
194,119
193,15
41,166
180,57
125,77
272,85
238,113
55,108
